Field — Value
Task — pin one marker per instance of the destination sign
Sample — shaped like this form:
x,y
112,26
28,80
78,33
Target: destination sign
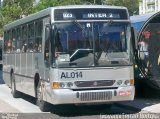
x,y
90,14
101,15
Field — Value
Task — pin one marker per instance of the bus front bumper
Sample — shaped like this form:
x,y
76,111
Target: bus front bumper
x,y
68,96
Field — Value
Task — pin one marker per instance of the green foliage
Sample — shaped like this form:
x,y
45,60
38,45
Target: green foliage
x,y
13,10
133,6
50,3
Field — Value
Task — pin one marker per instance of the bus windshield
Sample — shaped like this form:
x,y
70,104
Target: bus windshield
x,y
86,44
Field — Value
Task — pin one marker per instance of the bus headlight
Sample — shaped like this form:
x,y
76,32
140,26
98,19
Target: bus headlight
x,y
69,84
127,82
119,82
61,85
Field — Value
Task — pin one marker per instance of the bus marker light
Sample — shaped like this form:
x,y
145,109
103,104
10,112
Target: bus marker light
x,y
55,85
132,82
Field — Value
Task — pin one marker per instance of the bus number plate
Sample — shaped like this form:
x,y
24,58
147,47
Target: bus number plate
x,y
71,75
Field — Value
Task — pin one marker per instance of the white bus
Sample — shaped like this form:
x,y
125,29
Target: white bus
x,y
71,55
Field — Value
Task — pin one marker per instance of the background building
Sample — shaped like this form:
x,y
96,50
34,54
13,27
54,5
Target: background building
x,y
147,6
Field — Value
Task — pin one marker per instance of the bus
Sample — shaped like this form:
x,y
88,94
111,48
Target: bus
x,y
148,52
139,20
80,54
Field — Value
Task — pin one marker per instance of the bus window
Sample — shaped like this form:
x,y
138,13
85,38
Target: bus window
x,y
8,42
18,42
24,39
38,37
5,41
31,37
14,33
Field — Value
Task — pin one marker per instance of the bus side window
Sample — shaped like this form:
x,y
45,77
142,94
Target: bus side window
x,y
14,33
38,36
8,42
5,41
18,40
31,37
24,39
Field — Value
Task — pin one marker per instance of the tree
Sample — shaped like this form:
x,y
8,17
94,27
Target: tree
x,y
25,6
13,10
133,6
50,3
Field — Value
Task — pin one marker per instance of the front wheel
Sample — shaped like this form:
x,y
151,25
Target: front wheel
x,y
44,106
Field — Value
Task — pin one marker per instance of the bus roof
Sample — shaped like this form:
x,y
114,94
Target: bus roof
x,y
48,11
90,6
43,13
140,18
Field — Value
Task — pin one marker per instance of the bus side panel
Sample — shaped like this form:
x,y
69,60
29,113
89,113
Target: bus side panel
x,y
48,96
6,74
28,86
39,65
9,61
22,69
17,71
28,78
30,65
27,72
23,64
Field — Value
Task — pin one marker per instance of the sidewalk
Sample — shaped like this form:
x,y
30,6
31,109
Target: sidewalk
x,y
4,107
143,104
10,104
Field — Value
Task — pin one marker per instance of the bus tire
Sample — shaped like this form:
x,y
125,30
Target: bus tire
x,y
14,92
44,106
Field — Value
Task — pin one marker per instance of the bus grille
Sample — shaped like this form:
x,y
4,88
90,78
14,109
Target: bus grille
x,y
94,83
89,96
